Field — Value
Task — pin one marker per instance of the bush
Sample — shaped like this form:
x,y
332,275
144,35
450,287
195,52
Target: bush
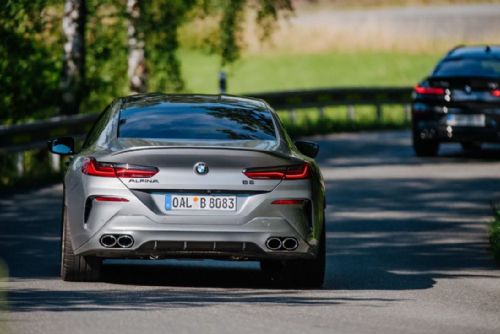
x,y
495,234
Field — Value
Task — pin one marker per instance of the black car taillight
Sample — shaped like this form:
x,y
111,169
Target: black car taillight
x,y
495,92
295,172
108,169
429,90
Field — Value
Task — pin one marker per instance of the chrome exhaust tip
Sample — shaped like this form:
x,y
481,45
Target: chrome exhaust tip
x,y
290,244
273,243
125,241
108,240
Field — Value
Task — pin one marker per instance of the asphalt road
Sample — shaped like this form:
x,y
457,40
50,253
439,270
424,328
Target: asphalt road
x,y
407,252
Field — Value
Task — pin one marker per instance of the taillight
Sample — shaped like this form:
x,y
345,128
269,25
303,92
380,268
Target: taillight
x,y
429,90
496,92
295,172
107,169
92,167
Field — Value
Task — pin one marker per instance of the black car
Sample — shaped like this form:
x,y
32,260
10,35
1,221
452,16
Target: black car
x,y
459,101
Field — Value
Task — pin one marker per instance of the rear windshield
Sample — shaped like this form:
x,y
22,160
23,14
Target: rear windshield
x,y
469,67
187,122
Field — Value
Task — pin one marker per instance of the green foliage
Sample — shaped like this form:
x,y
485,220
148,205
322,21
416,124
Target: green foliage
x,y
232,13
30,54
106,63
495,234
230,32
161,22
32,48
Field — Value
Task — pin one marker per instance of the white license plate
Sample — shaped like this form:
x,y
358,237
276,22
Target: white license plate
x,y
466,120
200,202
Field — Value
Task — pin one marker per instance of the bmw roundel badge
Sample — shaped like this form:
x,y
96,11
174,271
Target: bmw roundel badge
x,y
201,168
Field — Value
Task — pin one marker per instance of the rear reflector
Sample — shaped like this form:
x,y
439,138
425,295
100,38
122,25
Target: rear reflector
x,y
429,90
496,92
288,201
109,199
107,169
295,172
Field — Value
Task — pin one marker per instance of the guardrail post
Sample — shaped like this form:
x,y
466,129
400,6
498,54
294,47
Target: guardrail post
x,y
407,111
292,116
55,162
19,162
321,111
379,111
351,113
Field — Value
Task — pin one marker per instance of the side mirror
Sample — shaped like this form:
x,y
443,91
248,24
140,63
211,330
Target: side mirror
x,y
62,146
307,148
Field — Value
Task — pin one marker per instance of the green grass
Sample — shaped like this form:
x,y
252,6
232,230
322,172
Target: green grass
x,y
495,235
276,72
304,122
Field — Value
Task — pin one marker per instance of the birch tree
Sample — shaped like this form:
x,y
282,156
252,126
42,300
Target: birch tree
x,y
137,73
73,76
160,20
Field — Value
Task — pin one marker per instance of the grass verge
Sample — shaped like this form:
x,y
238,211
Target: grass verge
x,y
494,232
277,71
307,122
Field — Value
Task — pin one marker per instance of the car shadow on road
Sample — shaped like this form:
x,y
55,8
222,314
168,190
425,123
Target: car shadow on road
x,y
28,300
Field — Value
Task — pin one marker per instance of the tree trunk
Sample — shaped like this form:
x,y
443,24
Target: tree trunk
x,y
73,77
137,73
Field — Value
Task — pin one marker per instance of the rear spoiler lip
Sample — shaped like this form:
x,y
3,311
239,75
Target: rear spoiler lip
x,y
141,148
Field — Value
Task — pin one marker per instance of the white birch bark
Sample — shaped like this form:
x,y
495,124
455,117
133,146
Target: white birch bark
x,y
137,73
72,80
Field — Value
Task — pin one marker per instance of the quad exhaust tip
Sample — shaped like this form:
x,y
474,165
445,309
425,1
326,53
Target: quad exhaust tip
x,y
108,240
125,241
287,243
290,244
116,241
274,243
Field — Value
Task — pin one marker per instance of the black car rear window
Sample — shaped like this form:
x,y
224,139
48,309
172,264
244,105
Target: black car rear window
x,y
188,122
469,67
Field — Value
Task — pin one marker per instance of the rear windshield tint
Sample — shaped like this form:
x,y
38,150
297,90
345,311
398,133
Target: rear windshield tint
x,y
210,122
469,67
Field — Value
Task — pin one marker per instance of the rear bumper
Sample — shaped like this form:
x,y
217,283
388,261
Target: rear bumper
x,y
432,125
165,240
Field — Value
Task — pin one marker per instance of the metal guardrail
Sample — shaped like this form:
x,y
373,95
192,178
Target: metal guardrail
x,y
34,135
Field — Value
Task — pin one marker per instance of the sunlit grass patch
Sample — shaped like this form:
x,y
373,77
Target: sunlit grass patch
x,y
313,121
256,73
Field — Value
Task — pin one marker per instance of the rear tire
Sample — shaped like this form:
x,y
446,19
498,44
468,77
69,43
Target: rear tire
x,y
471,146
299,273
309,273
425,148
76,268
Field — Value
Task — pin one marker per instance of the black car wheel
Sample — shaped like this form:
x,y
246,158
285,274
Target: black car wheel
x,y
425,148
471,146
299,273
74,267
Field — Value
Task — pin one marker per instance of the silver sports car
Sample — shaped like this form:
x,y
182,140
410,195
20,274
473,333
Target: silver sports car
x,y
195,176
